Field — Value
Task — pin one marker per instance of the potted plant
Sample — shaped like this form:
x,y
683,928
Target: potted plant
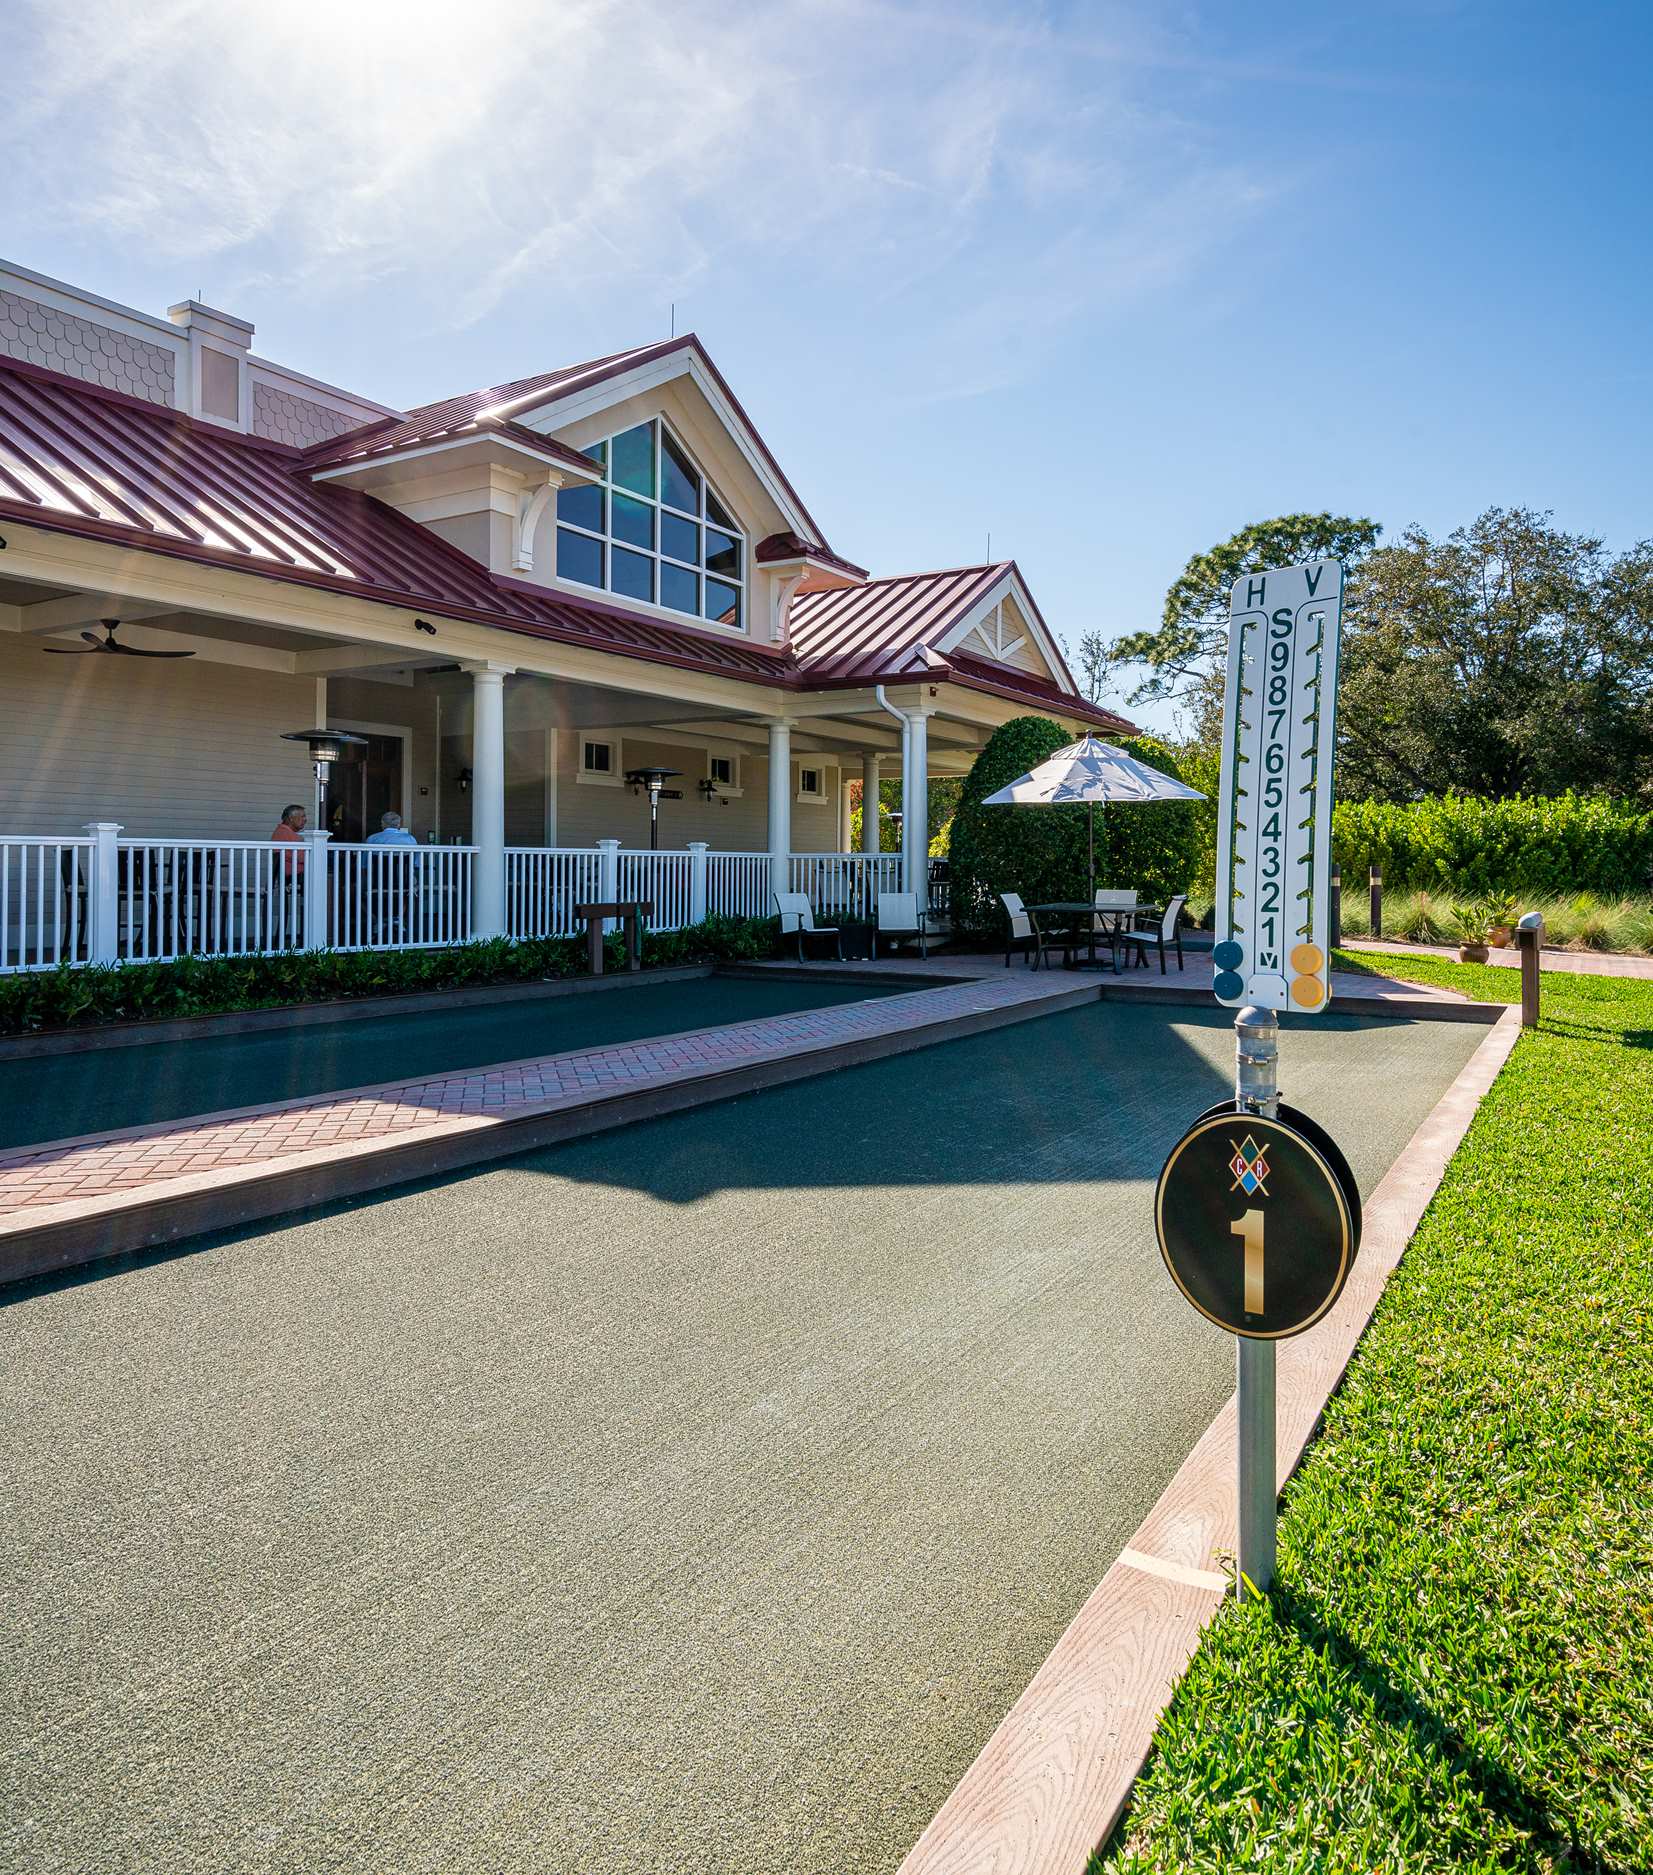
x,y
1501,916
1471,924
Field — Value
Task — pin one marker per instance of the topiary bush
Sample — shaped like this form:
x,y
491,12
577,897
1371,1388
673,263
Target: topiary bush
x,y
1040,852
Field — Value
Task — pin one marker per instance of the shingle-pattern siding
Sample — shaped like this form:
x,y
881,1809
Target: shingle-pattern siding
x,y
285,418
78,348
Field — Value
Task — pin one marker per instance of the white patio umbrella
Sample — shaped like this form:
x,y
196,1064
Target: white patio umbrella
x,y
1088,771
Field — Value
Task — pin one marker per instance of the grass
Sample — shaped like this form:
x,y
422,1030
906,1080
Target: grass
x,y
1455,1667
1581,921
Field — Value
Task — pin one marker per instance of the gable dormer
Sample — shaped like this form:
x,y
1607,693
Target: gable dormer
x,y
1004,627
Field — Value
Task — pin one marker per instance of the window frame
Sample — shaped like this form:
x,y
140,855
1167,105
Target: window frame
x,y
610,777
732,789
817,797
607,541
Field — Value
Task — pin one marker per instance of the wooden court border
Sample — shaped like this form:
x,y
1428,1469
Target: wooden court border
x,y
1051,1784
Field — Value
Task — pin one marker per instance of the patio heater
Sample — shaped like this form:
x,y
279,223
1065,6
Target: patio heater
x,y
327,746
654,780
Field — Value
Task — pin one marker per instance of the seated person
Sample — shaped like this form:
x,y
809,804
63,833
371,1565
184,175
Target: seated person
x,y
391,832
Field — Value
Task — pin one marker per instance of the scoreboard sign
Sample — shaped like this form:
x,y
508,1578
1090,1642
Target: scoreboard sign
x,y
1274,818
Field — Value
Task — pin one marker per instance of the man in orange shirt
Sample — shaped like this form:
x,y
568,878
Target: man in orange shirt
x,y
291,827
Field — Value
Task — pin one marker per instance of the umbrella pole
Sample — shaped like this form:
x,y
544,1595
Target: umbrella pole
x,y
1090,826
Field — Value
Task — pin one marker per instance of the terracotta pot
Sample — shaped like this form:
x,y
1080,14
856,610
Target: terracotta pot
x,y
1499,936
1472,953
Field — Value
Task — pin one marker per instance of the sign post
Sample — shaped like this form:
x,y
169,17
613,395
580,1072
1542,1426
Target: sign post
x,y
1257,1213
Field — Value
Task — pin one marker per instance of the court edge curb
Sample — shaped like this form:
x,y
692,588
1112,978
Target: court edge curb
x,y
1050,1785
122,1224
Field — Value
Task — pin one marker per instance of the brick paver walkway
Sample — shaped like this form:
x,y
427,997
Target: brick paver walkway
x,y
106,1165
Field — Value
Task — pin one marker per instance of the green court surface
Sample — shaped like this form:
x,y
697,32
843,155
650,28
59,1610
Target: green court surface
x,y
695,1497
60,1096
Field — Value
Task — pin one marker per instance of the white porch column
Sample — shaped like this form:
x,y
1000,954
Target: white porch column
x,y
697,882
316,880
780,803
488,796
843,808
869,803
103,899
915,809
608,878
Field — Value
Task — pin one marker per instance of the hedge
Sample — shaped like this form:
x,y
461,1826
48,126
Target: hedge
x,y
1524,844
1040,852
209,986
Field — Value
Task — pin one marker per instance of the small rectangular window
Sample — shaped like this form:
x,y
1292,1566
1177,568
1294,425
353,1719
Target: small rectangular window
x,y
723,771
598,758
811,784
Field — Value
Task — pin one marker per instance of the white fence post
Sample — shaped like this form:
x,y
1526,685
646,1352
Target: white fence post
x,y
697,882
104,893
315,888
608,878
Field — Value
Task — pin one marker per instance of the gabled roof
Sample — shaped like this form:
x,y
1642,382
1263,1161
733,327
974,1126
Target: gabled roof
x,y
452,416
97,463
891,630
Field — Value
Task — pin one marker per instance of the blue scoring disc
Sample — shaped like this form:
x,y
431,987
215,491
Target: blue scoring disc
x,y
1227,983
1227,955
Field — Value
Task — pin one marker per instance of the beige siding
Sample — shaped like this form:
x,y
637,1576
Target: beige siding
x,y
285,418
179,748
99,354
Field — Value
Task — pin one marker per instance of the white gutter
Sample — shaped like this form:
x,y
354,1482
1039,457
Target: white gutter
x,y
906,723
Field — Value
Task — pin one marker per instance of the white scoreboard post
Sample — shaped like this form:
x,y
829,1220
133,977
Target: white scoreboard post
x,y
1274,816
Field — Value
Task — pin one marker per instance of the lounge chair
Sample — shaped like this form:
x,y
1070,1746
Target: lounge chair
x,y
798,919
899,919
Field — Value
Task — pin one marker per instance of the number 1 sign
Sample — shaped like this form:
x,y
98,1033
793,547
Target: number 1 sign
x,y
1274,817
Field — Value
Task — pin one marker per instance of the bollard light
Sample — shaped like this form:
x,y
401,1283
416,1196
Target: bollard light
x,y
1529,939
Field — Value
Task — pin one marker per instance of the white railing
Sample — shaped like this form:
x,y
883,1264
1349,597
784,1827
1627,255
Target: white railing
x,y
44,902
847,885
662,880
211,898
398,898
543,884
103,899
737,885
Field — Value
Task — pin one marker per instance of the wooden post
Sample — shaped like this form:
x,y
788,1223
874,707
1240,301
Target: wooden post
x,y
594,942
1529,935
1334,919
1377,901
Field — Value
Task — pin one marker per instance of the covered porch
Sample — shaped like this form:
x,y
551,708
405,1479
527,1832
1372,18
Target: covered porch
x,y
138,796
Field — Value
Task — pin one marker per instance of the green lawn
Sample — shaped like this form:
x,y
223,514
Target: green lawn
x,y
1455,1669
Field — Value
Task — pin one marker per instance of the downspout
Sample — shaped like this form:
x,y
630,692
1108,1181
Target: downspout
x,y
906,723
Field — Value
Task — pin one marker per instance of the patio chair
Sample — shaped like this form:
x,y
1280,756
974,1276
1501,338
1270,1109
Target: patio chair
x,y
1115,904
1026,937
1169,931
899,919
798,919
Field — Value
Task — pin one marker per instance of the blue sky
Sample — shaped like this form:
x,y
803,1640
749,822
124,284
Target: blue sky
x,y
1106,281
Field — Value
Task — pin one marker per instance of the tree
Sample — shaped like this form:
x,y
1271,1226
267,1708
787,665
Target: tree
x,y
1185,656
1509,657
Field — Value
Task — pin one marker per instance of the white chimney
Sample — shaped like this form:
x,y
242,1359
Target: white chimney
x,y
220,385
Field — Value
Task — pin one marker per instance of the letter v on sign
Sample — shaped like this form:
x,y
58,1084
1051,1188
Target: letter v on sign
x,y
1275,803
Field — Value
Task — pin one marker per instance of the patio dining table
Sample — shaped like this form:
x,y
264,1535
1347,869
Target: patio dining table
x,y
1113,919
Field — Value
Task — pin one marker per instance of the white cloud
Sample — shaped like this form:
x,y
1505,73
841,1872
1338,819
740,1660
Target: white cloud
x,y
594,146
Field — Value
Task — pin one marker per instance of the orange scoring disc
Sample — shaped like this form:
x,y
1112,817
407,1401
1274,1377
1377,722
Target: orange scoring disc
x,y
1307,992
1306,959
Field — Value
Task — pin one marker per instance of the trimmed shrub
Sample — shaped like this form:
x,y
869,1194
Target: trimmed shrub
x,y
1040,852
211,986
1525,844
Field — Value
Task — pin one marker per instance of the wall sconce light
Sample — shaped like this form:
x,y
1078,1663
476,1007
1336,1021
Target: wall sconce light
x,y
425,626
462,781
708,791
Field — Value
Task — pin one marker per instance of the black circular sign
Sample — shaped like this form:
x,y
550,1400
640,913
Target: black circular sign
x,y
1258,1221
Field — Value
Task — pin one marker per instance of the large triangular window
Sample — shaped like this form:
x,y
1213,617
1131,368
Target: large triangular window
x,y
654,529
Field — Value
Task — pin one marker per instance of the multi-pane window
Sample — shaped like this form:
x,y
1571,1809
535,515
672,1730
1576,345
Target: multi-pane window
x,y
653,529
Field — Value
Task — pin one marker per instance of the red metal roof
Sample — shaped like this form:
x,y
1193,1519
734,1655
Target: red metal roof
x,y
453,416
879,632
94,462
97,463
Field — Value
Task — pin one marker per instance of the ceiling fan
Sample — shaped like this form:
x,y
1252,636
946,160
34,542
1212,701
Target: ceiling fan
x,y
107,643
